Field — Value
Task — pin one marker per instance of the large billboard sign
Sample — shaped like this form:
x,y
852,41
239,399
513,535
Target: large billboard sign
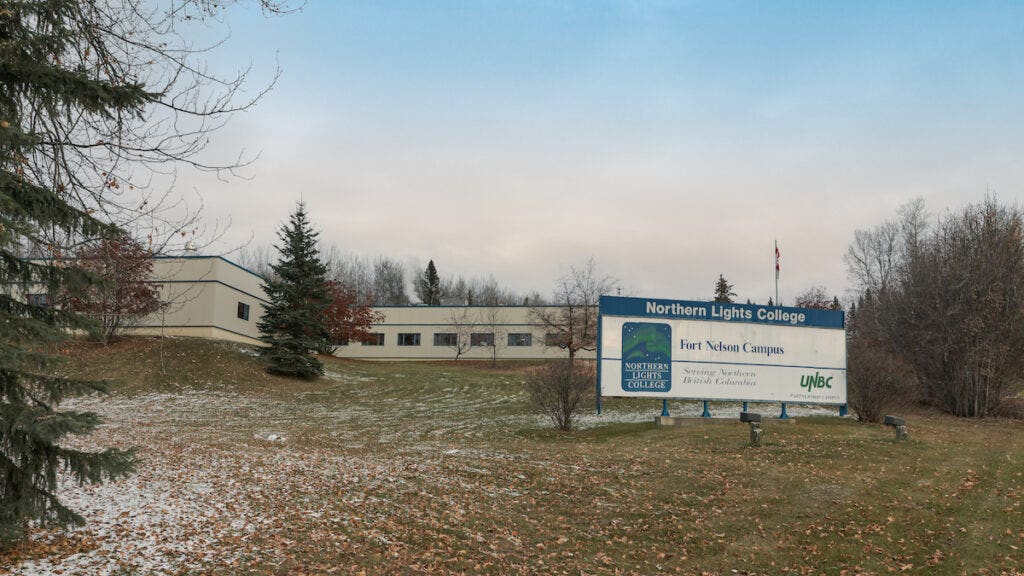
x,y
712,351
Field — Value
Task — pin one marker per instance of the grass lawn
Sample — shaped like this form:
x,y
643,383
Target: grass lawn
x,y
440,468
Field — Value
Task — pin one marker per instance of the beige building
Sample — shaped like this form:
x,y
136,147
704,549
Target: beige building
x,y
212,297
442,332
207,297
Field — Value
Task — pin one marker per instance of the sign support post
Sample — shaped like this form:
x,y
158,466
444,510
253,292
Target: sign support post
x,y
597,385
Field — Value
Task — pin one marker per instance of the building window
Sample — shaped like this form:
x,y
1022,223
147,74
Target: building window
x,y
554,339
39,299
409,339
481,339
376,339
343,341
243,311
446,339
520,339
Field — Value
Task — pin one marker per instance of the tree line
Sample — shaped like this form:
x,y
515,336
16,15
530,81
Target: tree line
x,y
814,297
385,281
938,317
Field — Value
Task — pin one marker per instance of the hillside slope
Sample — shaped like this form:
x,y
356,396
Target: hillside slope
x,y
420,468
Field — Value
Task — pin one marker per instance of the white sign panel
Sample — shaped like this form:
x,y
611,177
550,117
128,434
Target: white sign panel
x,y
710,351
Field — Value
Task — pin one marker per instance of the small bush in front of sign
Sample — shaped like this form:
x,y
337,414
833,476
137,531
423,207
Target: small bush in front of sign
x,y
878,379
558,388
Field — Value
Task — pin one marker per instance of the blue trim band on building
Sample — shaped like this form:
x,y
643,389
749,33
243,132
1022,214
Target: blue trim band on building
x,y
482,327
460,306
158,327
721,312
201,257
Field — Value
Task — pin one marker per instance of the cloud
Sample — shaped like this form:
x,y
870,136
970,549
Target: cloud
x,y
671,149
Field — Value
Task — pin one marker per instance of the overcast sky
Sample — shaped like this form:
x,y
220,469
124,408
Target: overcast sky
x,y
671,141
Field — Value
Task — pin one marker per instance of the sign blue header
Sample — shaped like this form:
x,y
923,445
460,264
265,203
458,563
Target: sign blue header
x,y
721,312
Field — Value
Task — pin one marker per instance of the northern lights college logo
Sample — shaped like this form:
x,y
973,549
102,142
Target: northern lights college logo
x,y
646,357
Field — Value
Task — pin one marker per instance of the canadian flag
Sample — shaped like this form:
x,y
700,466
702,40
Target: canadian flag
x,y
777,255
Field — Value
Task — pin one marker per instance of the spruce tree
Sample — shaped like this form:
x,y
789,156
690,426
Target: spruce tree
x,y
723,290
428,288
294,323
38,196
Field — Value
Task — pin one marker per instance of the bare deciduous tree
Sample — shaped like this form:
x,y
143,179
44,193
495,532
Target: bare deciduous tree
x,y
351,270
571,319
122,167
454,291
814,297
877,258
258,259
873,257
462,322
477,292
534,298
389,282
492,321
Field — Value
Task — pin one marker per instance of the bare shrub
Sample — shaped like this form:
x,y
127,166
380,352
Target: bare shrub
x,y
1011,408
557,389
879,380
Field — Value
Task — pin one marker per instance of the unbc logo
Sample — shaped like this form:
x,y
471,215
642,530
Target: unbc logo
x,y
646,357
815,380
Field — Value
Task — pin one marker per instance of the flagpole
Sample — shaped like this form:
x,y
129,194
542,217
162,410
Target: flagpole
x,y
777,303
